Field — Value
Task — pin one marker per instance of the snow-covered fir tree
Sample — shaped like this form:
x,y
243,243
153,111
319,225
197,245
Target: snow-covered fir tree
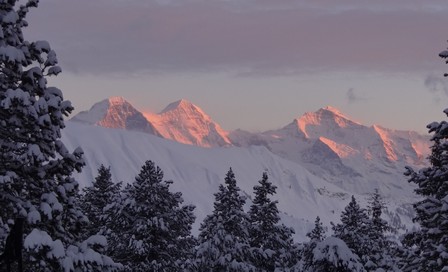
x,y
272,243
35,166
97,197
354,230
224,236
148,227
384,253
316,235
407,257
375,210
333,255
432,211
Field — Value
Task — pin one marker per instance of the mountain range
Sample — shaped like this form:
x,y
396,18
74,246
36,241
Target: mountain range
x,y
317,161
326,142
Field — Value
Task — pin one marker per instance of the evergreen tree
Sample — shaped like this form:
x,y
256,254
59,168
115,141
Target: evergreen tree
x,y
316,235
148,228
224,238
272,242
384,253
97,197
375,210
333,255
354,230
35,165
409,257
432,210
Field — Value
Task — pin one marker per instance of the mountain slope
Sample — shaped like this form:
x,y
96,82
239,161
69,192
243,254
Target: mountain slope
x,y
197,172
186,123
115,112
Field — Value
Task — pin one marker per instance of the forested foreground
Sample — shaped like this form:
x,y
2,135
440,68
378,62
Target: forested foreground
x,y
48,224
148,229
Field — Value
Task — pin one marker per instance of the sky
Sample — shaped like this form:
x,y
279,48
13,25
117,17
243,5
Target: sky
x,y
254,64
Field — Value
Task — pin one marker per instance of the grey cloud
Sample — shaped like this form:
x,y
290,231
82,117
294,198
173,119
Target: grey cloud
x,y
254,36
353,97
436,84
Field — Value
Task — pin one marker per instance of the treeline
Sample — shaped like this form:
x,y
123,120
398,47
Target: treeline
x,y
149,229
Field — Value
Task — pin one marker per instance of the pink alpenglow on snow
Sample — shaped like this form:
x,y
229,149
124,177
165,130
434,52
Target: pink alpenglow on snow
x,y
186,123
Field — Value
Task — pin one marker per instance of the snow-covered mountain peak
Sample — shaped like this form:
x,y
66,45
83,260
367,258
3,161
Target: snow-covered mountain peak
x,y
94,115
329,118
185,108
182,105
332,113
115,112
332,109
343,151
117,100
181,121
184,122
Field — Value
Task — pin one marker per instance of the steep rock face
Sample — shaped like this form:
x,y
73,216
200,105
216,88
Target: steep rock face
x,y
186,123
321,154
115,112
406,146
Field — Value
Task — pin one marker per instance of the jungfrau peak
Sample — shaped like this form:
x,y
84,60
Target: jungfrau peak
x,y
351,139
328,117
186,123
345,152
